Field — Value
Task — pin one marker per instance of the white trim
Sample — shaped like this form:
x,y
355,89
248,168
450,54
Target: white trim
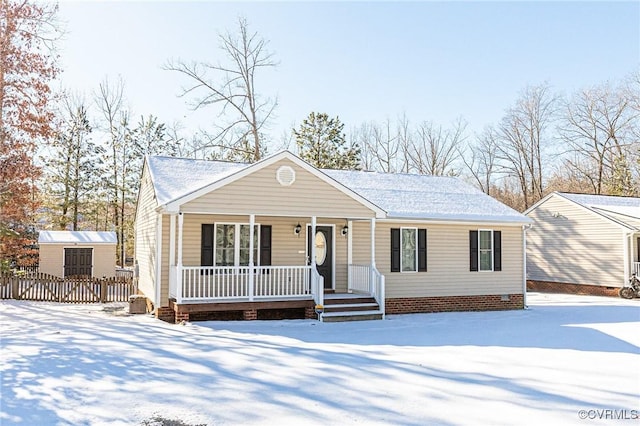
x,y
174,205
158,277
311,256
236,241
402,249
258,214
497,224
490,231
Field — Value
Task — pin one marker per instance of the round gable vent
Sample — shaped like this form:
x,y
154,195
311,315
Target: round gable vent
x,y
285,175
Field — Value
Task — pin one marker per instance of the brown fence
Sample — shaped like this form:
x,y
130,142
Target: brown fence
x,y
79,289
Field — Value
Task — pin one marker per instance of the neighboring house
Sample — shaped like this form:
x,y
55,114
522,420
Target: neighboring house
x,y
583,243
215,236
64,253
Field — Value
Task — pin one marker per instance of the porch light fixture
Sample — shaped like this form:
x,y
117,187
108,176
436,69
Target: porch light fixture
x,y
345,230
297,229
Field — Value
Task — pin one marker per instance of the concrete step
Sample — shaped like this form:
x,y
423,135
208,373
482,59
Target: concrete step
x,y
352,316
348,300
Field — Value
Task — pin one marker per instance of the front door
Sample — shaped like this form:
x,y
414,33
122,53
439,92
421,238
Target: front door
x,y
324,252
77,261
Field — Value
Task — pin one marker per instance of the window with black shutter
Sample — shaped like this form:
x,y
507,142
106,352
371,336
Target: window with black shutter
x,y
408,246
485,250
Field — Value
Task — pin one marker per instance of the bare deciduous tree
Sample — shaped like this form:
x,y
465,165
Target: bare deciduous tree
x,y
232,86
435,150
524,142
598,127
483,163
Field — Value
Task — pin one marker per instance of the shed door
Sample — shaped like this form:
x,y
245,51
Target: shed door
x,y
77,261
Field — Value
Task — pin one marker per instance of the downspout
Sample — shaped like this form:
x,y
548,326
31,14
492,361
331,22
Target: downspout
x,y
626,243
524,265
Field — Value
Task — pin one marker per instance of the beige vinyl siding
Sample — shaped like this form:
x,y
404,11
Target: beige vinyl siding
x,y
260,193
576,246
287,249
447,261
103,258
145,242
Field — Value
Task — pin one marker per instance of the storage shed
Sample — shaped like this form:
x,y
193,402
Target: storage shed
x,y
64,253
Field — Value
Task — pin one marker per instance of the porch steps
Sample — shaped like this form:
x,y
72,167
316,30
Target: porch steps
x,y
338,308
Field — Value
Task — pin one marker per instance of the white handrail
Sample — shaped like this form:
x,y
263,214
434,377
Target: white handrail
x,y
359,279
317,285
379,289
636,268
232,282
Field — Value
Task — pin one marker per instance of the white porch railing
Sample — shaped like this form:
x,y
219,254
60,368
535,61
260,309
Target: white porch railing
x,y
366,279
636,268
359,279
222,283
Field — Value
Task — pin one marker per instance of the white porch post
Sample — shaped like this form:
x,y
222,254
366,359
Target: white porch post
x,y
312,252
372,275
172,252
349,254
373,242
252,221
179,265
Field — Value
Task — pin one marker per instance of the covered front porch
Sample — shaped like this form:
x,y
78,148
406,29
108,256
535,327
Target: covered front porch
x,y
251,262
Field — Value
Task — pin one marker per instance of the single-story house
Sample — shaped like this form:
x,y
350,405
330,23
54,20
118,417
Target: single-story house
x,y
64,253
583,243
280,234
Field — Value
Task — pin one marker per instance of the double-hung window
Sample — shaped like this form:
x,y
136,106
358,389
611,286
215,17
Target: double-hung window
x,y
485,250
408,250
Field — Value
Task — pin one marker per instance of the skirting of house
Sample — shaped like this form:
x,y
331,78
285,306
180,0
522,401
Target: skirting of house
x,y
177,313
586,289
494,302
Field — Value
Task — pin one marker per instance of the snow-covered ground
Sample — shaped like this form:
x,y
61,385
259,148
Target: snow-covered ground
x,y
91,365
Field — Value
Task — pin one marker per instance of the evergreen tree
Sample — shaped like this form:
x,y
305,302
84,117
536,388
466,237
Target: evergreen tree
x,y
322,143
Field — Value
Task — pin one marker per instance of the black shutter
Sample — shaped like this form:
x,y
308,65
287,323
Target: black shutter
x,y
422,250
473,250
395,250
206,248
497,250
265,245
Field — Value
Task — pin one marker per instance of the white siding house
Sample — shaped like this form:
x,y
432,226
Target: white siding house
x,y
587,240
214,236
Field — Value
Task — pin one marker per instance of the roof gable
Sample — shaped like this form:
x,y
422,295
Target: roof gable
x,y
623,211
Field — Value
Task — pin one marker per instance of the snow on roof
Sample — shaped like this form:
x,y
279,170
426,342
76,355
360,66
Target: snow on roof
x,y
407,196
77,237
402,196
627,206
174,177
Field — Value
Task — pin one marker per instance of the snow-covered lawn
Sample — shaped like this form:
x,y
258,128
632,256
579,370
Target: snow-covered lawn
x,y
86,364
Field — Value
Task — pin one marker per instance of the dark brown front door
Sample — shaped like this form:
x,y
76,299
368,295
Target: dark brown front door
x,y
77,261
324,252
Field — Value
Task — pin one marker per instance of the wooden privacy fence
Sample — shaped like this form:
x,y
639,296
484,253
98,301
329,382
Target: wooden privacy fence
x,y
78,289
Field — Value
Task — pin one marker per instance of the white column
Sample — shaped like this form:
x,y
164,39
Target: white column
x,y
252,221
172,251
158,278
179,265
349,254
373,242
312,253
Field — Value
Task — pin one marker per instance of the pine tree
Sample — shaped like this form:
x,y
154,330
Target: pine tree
x,y
322,143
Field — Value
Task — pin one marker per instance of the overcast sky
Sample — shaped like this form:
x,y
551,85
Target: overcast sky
x,y
361,61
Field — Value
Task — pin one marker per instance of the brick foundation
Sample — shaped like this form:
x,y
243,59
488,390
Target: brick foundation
x,y
494,302
166,313
182,316
585,289
310,313
250,315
